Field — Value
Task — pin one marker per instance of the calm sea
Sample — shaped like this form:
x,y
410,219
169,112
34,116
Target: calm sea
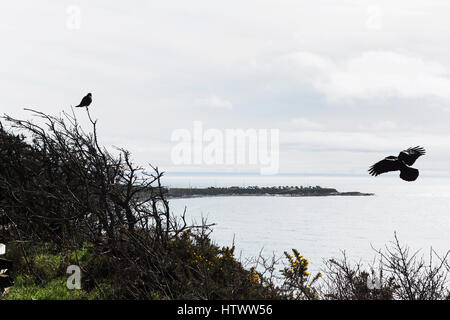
x,y
321,227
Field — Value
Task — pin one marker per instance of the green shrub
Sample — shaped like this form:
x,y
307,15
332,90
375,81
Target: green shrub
x,y
25,288
42,275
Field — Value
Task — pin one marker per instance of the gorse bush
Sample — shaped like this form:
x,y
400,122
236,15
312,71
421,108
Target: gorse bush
x,y
297,279
194,269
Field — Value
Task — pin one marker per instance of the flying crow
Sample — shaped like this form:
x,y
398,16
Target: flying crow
x,y
405,159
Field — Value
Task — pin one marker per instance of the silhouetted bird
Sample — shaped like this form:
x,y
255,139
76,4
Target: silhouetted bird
x,y
405,159
86,101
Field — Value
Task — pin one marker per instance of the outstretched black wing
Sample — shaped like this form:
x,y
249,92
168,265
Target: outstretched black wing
x,y
410,155
387,164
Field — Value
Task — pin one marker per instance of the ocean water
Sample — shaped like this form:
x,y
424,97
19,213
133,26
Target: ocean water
x,y
321,227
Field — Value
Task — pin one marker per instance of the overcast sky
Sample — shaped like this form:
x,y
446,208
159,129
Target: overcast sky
x,y
345,82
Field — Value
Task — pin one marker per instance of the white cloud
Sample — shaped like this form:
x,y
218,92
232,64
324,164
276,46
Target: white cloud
x,y
270,62
303,123
214,102
372,75
385,125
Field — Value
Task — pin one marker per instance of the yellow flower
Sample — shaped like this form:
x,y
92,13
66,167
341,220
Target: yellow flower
x,y
254,277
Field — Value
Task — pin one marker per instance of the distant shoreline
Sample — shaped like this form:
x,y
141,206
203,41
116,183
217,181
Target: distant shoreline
x,y
185,193
343,194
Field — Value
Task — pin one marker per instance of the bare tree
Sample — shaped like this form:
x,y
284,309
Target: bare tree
x,y
60,185
399,275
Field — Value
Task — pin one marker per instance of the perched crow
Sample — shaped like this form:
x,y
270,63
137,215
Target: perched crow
x,y
405,159
86,101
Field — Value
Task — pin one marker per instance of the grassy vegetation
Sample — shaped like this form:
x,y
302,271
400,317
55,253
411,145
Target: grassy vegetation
x,y
42,274
198,270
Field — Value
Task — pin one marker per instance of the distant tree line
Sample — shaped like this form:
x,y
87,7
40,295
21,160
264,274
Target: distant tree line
x,y
251,190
